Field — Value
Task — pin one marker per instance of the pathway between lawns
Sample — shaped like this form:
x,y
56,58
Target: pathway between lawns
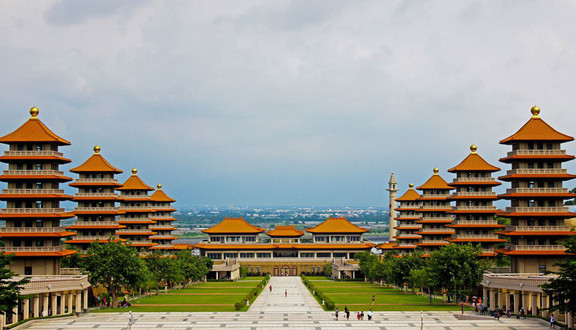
x,y
288,295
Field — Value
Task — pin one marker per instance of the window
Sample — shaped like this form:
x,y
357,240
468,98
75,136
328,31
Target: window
x,y
307,255
27,270
541,269
216,256
247,255
323,255
230,255
340,255
263,255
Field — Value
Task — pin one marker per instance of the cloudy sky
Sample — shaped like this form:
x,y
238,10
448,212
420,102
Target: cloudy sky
x,y
287,102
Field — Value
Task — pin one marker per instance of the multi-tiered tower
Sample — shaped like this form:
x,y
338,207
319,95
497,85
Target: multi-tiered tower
x,y
474,213
392,189
434,213
135,203
96,212
537,211
409,213
33,213
162,204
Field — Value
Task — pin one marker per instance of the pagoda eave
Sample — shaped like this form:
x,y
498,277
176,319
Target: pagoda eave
x,y
435,221
493,211
136,233
43,254
488,198
94,184
61,197
60,178
95,198
435,210
163,238
98,212
475,183
531,253
476,240
476,226
86,227
407,238
40,234
139,222
536,233
511,177
538,195
11,159
562,158
35,215
433,244
539,214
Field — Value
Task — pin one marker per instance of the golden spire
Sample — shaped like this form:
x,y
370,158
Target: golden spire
x,y
34,112
411,185
535,112
134,171
436,170
96,149
159,186
473,148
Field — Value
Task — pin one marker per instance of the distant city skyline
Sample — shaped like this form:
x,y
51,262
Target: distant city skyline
x,y
279,103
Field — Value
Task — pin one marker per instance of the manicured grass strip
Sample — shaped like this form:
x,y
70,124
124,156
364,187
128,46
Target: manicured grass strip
x,y
202,294
148,309
185,299
395,308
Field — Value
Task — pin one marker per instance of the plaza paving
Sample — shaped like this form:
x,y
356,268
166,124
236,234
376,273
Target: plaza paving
x,y
273,310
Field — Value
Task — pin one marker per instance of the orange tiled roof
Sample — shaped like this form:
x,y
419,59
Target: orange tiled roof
x,y
285,231
336,225
409,195
474,162
33,131
96,163
233,225
435,182
135,183
160,196
537,129
182,246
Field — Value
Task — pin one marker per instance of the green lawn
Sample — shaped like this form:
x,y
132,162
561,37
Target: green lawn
x,y
211,297
357,296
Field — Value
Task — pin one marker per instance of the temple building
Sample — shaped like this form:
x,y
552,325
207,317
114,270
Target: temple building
x,y
537,210
408,213
135,204
434,213
96,212
236,242
32,231
474,213
33,213
162,205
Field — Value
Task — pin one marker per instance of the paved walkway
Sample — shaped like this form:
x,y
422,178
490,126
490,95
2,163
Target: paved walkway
x,y
272,310
288,295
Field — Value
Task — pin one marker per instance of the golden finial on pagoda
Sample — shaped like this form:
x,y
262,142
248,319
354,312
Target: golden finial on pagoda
x,y
535,112
411,185
159,186
96,149
436,170
34,112
473,148
134,171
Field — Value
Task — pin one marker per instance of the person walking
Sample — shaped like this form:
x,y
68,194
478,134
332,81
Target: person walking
x,y
270,288
373,298
130,319
336,314
285,293
370,314
347,312
552,322
522,313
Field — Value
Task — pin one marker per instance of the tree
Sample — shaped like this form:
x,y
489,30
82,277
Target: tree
x,y
400,267
457,269
367,262
165,270
9,288
419,278
114,265
573,200
193,267
563,288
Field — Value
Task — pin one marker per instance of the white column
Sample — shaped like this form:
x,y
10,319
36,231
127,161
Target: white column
x,y
36,307
70,299
86,300
507,298
15,315
45,304
78,301
517,301
26,307
492,294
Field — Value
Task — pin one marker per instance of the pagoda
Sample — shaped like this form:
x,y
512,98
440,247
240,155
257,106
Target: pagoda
x,y
96,212
537,212
434,213
137,211
163,227
33,213
285,234
408,214
474,213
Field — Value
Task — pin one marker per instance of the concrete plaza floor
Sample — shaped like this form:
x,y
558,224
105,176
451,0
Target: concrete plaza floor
x,y
273,310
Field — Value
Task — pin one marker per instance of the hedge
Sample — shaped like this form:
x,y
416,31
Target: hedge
x,y
252,294
328,303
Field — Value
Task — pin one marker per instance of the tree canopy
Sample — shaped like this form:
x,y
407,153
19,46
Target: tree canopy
x,y
563,288
9,288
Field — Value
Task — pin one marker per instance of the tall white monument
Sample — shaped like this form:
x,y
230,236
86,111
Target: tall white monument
x,y
392,189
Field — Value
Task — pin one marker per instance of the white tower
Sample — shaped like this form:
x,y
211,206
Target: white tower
x,y
392,189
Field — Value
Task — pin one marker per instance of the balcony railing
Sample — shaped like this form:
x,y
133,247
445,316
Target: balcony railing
x,y
537,191
475,222
95,223
33,172
135,196
535,247
474,194
408,235
447,218
474,208
163,236
102,195
97,209
33,153
436,207
538,152
102,238
145,241
537,209
464,179
485,236
537,171
34,248
33,211
123,219
538,228
437,230
32,229
160,227
122,231
434,241
32,191
95,180
135,207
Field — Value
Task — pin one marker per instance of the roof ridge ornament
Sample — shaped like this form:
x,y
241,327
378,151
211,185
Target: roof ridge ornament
x,y
535,112
34,113
411,185
159,186
96,149
436,170
134,171
473,148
